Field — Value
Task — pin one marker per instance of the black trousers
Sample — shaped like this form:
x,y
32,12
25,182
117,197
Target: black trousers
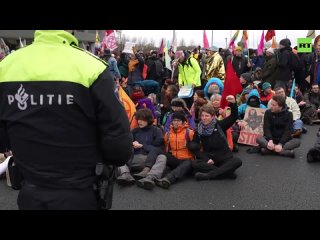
x,y
222,168
37,198
179,168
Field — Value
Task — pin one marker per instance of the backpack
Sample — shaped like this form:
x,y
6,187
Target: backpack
x,y
295,62
158,68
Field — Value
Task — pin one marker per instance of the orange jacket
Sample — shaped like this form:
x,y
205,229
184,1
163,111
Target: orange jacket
x,y
129,107
176,142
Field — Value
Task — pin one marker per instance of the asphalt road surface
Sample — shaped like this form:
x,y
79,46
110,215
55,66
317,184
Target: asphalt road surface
x,y
264,183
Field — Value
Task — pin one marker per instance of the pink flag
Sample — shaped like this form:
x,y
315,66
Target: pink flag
x,y
261,45
109,40
205,40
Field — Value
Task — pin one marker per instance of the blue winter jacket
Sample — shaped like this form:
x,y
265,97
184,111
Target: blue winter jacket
x,y
242,108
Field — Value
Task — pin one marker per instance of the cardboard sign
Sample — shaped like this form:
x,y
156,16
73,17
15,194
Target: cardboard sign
x,y
253,128
128,47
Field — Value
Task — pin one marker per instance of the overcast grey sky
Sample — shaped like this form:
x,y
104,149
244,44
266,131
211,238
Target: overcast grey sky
x,y
219,36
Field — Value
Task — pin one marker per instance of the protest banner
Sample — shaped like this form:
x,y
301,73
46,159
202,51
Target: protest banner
x,y
128,47
253,127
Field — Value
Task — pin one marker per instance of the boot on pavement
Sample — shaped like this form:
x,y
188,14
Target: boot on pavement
x,y
146,183
287,153
266,151
163,183
142,174
125,179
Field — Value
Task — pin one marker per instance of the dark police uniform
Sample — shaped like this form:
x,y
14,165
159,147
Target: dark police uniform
x,y
62,115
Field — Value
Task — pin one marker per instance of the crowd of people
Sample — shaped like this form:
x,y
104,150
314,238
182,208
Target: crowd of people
x,y
176,137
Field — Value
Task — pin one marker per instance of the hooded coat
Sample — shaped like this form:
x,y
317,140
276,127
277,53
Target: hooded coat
x,y
242,108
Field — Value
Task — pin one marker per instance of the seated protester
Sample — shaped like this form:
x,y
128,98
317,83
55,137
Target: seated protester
x,y
246,81
214,85
277,128
297,95
157,108
313,154
266,94
252,101
147,144
294,108
137,93
243,97
215,102
198,102
257,76
179,158
178,104
216,160
168,92
310,107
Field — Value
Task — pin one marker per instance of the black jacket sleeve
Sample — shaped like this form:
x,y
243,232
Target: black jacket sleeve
x,y
141,61
267,125
230,120
112,122
287,132
195,148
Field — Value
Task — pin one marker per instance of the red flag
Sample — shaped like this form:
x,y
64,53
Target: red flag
x,y
232,85
205,40
270,34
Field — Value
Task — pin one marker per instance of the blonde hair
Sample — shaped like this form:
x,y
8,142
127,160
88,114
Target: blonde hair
x,y
153,96
214,96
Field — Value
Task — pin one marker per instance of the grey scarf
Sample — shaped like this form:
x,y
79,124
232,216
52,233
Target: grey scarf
x,y
206,130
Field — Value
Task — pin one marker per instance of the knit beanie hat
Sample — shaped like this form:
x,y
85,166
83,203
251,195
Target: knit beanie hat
x,y
179,115
265,86
285,42
246,76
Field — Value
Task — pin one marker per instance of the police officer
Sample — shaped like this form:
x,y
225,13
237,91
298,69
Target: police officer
x,y
62,115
